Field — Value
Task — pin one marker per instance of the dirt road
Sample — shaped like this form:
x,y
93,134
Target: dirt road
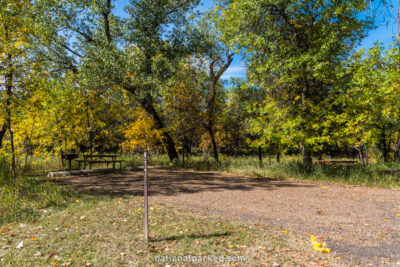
x,y
360,224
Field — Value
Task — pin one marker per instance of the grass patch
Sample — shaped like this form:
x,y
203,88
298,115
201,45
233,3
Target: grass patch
x,y
23,198
109,232
375,174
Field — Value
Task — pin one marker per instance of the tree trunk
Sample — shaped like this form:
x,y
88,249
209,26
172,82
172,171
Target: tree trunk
x,y
305,152
13,165
183,155
214,143
167,140
397,147
278,157
9,85
204,154
385,152
2,133
214,78
384,146
260,156
89,129
307,158
362,154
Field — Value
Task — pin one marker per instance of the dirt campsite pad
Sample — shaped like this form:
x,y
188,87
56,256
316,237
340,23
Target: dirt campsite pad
x,y
360,224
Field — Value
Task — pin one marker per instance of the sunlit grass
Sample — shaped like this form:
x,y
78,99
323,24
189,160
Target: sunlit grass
x,y
106,231
374,174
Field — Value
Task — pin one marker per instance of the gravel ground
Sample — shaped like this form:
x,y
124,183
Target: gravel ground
x,y
360,224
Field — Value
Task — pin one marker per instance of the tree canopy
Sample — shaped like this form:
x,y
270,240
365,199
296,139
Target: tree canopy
x,y
76,76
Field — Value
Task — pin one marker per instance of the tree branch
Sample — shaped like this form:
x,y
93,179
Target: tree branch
x,y
72,51
179,5
106,15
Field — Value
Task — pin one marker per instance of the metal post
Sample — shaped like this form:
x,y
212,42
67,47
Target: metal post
x,y
146,211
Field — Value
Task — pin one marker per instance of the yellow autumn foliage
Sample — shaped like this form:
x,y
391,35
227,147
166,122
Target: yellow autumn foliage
x,y
141,135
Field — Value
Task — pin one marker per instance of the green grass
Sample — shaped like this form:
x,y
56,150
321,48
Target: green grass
x,y
375,174
105,231
24,196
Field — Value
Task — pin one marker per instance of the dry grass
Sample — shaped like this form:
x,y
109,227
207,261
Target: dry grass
x,y
104,231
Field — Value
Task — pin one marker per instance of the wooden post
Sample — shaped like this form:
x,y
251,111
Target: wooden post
x,y
146,211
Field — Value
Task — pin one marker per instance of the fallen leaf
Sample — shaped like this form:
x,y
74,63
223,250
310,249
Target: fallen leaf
x,y
20,245
317,245
52,255
33,238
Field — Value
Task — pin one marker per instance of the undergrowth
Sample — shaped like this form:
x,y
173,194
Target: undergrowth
x,y
24,196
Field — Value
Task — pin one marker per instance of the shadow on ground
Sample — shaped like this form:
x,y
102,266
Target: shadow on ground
x,y
171,182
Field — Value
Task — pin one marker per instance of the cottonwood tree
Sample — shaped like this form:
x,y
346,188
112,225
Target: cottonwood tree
x,y
368,113
214,56
138,53
300,43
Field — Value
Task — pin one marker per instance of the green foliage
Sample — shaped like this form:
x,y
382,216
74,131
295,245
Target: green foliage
x,y
77,75
368,113
295,50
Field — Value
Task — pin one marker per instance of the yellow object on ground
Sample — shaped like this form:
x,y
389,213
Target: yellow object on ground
x,y
318,246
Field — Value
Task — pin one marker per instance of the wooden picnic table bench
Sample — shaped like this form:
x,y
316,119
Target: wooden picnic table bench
x,y
69,157
338,163
99,158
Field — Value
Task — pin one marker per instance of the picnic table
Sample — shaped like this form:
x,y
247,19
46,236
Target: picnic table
x,y
99,158
338,163
69,157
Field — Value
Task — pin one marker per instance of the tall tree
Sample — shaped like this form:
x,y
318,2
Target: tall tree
x,y
368,112
14,37
300,44
215,56
138,53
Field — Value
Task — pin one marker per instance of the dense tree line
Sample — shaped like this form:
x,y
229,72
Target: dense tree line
x,y
76,76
